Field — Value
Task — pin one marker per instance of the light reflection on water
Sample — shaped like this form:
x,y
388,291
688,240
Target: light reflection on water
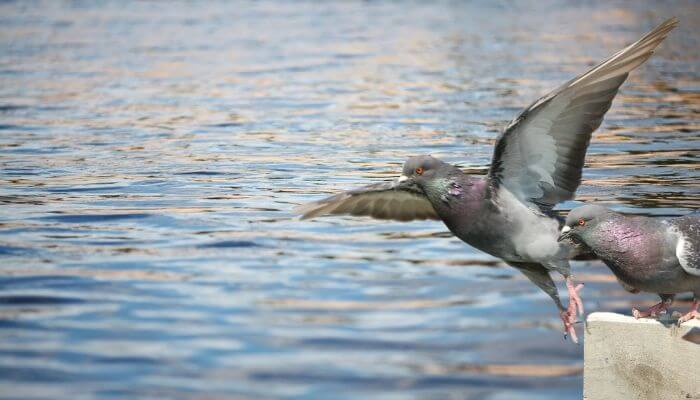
x,y
151,155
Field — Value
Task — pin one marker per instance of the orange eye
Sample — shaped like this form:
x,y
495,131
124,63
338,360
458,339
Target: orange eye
x,y
581,222
419,171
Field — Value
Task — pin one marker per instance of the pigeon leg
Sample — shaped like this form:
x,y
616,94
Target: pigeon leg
x,y
540,276
575,306
656,309
575,303
693,313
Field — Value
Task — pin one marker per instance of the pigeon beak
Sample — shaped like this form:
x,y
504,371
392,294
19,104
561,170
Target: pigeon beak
x,y
565,233
402,178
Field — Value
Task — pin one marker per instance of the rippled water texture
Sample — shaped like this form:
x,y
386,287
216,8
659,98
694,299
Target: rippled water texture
x,y
151,152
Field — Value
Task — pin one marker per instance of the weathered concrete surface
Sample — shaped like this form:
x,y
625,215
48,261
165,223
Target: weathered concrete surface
x,y
625,358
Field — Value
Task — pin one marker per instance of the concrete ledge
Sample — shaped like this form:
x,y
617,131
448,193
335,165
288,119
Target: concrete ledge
x,y
625,358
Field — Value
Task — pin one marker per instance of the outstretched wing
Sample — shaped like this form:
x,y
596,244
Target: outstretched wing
x,y
540,154
387,200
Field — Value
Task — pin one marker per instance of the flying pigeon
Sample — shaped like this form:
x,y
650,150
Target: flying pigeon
x,y
646,254
536,164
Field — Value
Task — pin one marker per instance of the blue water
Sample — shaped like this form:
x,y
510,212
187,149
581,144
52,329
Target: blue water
x,y
151,153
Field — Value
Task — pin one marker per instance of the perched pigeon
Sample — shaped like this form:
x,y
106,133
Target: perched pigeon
x,y
646,254
536,164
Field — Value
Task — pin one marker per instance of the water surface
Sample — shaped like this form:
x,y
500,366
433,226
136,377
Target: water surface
x,y
150,155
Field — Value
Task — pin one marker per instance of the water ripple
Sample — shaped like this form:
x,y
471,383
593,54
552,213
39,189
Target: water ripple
x,y
150,157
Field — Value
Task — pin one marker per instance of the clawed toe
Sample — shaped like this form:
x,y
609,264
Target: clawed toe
x,y
569,319
653,311
692,314
646,314
687,317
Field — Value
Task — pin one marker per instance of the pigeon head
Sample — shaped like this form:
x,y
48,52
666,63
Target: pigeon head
x,y
432,178
583,220
421,172
422,168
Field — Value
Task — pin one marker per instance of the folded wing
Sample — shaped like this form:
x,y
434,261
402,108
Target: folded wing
x,y
688,246
540,154
385,200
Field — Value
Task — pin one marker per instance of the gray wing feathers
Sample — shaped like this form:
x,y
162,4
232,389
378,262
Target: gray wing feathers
x,y
381,201
540,154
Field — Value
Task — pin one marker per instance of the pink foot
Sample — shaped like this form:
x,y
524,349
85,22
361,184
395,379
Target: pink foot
x,y
693,313
653,311
569,319
568,316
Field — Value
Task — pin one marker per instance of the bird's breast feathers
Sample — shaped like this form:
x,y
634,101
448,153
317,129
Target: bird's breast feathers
x,y
533,234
